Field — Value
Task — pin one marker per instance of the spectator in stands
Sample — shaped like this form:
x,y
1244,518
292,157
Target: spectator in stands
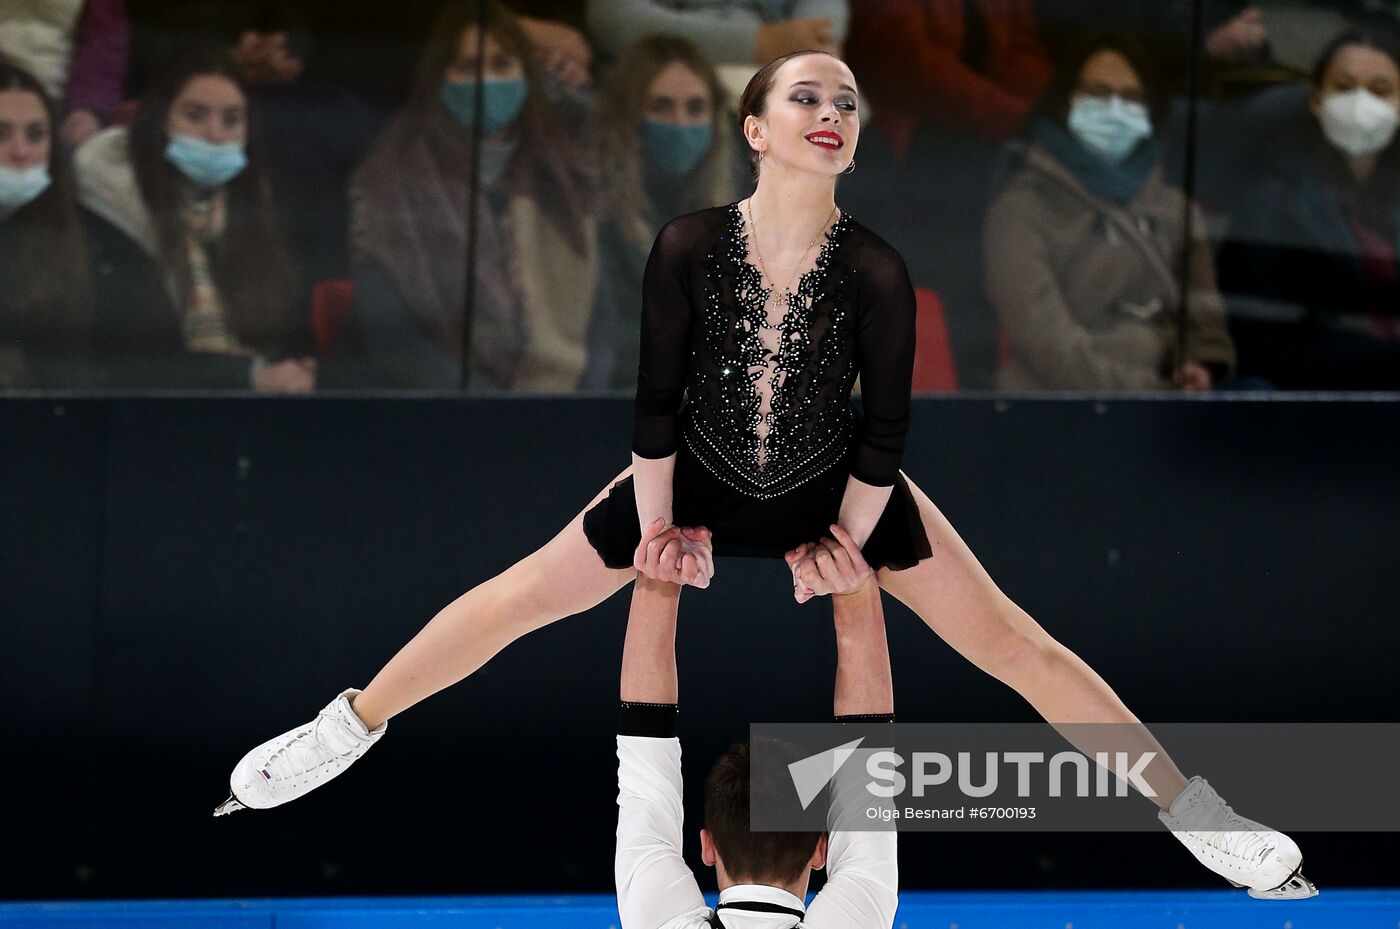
x,y
193,287
665,145
555,31
368,48
44,325
316,132
1234,33
1310,267
77,50
533,261
949,82
1086,245
727,31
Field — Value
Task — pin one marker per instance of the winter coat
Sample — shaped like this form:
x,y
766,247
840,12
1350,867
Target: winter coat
x,y
1089,292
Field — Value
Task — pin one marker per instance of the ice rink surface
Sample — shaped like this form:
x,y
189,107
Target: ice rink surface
x,y
1333,909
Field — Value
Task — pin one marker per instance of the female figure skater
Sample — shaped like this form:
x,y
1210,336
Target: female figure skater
x,y
761,313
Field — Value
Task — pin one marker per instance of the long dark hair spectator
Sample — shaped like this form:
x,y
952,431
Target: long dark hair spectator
x,y
622,99
250,263
1054,102
549,170
54,292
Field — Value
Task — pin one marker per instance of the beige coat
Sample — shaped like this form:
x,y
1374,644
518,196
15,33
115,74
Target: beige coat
x,y
1088,292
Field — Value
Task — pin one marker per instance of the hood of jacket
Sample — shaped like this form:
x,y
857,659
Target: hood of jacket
x,y
107,186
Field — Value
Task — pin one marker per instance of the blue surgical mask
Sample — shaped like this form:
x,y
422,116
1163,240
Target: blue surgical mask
x,y
205,163
20,187
674,150
1111,128
501,102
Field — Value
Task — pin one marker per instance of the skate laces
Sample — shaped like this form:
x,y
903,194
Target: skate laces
x,y
1236,836
308,749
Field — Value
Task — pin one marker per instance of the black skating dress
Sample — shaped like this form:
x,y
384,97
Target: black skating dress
x,y
758,412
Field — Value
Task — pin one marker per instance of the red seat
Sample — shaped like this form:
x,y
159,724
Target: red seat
x,y
934,368
330,305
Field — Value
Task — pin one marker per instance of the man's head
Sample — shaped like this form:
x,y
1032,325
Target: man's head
x,y
780,859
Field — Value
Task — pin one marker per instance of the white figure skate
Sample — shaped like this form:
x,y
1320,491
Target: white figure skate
x,y
1240,850
300,760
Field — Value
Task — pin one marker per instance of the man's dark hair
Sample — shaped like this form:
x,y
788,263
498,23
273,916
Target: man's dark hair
x,y
757,857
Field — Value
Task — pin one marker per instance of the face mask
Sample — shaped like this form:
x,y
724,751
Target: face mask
x,y
1110,128
20,187
673,150
205,163
1359,122
501,101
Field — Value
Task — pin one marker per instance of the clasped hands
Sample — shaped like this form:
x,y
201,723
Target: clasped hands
x,y
685,555
675,554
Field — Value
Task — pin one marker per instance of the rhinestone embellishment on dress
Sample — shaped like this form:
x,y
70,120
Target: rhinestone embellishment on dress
x,y
778,415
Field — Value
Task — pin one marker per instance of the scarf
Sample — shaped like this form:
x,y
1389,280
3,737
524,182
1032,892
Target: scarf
x,y
408,214
408,206
1119,183
203,322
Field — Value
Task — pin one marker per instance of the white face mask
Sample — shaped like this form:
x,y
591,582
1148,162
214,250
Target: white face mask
x,y
1358,122
18,188
1111,127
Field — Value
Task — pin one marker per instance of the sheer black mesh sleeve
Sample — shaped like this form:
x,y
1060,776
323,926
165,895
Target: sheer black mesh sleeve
x,y
885,349
665,346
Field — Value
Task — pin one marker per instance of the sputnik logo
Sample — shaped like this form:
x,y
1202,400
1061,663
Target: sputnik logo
x,y
811,775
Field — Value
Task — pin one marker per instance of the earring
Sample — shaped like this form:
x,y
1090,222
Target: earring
x,y
850,168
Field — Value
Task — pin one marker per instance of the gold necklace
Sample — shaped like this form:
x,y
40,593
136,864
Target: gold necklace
x,y
763,266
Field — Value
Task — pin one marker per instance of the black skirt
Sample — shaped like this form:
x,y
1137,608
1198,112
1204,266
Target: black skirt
x,y
748,527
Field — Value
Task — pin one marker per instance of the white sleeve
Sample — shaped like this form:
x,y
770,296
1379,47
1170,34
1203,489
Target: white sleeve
x,y
654,886
862,867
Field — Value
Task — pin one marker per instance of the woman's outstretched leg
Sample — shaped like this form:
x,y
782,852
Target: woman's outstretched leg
x,y
564,577
954,595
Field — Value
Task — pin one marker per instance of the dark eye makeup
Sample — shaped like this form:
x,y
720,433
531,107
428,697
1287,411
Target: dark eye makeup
x,y
845,103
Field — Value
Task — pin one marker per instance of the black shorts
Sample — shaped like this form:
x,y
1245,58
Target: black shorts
x,y
748,527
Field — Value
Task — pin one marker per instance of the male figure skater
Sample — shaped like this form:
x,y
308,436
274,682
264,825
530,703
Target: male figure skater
x,y
762,876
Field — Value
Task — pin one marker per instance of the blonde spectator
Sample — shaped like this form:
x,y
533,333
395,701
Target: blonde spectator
x,y
667,149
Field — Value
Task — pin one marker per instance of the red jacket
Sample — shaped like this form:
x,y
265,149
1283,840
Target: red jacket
x,y
906,57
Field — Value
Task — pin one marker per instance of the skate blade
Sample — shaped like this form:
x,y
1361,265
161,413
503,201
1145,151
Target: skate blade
x,y
1296,887
231,805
